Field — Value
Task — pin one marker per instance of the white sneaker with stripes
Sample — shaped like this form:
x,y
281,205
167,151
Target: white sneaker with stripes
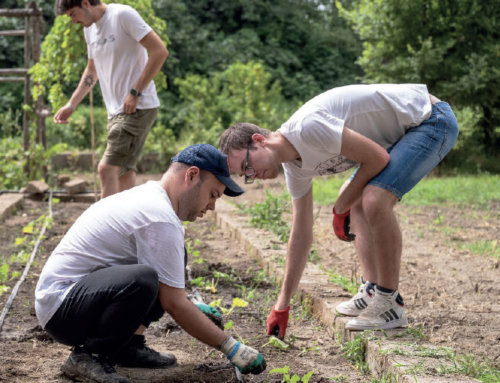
x,y
382,314
359,302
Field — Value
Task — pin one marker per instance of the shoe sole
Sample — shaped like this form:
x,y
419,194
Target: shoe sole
x,y
401,322
349,313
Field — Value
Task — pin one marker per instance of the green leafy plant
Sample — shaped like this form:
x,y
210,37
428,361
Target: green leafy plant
x,y
230,326
237,302
242,92
4,272
355,352
3,289
343,281
269,215
275,342
291,379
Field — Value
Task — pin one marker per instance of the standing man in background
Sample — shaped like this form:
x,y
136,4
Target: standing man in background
x,y
125,54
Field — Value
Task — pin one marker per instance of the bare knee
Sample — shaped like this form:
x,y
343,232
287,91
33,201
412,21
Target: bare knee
x,y
377,203
107,171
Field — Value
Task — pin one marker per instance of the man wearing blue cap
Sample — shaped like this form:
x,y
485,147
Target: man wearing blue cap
x,y
121,266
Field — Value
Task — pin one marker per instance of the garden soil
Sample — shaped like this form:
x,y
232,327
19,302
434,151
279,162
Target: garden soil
x,y
450,293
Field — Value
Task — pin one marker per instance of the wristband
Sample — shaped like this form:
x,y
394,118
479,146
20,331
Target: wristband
x,y
70,106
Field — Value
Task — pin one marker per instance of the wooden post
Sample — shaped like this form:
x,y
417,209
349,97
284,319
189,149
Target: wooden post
x,y
26,131
92,140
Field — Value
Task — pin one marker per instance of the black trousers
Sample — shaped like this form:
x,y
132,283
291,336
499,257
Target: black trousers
x,y
106,307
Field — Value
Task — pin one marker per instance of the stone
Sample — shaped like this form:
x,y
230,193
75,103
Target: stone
x,y
36,187
9,203
62,179
75,186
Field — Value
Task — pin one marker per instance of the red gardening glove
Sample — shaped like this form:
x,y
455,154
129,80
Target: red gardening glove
x,y
341,226
277,322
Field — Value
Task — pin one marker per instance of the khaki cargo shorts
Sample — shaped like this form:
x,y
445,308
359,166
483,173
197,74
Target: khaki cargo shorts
x,y
126,137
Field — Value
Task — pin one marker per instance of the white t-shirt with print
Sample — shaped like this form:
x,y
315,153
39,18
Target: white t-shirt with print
x,y
137,226
381,112
113,44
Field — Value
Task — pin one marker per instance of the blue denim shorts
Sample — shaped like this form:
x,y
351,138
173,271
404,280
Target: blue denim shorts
x,y
418,151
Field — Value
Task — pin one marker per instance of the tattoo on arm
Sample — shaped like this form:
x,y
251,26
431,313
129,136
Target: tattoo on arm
x,y
89,80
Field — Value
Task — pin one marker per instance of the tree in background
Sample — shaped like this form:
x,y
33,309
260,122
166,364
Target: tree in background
x,y
304,44
453,46
64,55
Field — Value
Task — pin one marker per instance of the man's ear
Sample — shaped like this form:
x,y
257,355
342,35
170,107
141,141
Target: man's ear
x,y
257,137
191,174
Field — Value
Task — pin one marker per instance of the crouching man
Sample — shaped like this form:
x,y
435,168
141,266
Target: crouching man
x,y
121,266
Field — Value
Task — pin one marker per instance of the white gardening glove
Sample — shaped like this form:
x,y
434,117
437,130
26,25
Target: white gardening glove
x,y
245,358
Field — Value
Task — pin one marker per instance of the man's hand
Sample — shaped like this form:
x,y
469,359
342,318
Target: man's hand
x,y
212,313
341,226
277,322
246,359
64,114
130,104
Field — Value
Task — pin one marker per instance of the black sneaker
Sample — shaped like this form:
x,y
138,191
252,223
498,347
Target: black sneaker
x,y
136,354
82,365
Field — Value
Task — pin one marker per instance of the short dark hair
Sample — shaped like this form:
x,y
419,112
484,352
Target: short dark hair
x,y
239,135
61,6
177,167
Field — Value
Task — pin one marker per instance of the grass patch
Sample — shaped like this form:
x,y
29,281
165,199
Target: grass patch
x,y
269,215
483,247
343,281
478,191
355,352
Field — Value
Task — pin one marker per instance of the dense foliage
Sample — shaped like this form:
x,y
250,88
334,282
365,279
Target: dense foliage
x,y
243,92
450,45
260,60
303,44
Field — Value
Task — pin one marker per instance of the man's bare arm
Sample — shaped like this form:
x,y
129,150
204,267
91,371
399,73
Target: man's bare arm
x,y
189,317
158,53
299,244
87,82
372,159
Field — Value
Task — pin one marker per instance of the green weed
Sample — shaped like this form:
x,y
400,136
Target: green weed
x,y
355,352
343,281
4,272
269,215
483,247
313,256
291,379
469,365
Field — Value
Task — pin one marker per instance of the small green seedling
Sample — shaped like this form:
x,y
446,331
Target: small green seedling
x,y
273,341
3,289
237,302
291,379
230,326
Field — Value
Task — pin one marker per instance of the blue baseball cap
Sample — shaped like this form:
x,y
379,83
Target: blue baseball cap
x,y
206,157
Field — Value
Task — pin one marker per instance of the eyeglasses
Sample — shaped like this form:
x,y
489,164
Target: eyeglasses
x,y
249,171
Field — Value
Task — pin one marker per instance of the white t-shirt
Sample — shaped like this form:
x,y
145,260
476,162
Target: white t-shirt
x,y
382,112
137,226
113,44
